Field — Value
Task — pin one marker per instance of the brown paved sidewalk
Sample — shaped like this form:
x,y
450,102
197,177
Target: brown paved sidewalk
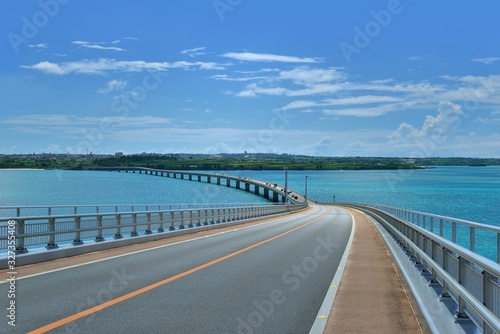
x,y
370,296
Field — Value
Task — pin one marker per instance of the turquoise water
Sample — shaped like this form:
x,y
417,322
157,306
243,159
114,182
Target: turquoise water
x,y
471,193
41,187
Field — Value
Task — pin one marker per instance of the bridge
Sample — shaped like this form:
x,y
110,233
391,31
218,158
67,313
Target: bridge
x,y
282,267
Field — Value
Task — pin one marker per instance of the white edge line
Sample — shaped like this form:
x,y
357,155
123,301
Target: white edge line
x,y
320,323
140,251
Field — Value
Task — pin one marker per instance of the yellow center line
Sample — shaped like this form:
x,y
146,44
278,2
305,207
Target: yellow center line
x,y
135,293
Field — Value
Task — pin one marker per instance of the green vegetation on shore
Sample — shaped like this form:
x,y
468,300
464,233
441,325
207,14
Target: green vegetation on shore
x,y
242,161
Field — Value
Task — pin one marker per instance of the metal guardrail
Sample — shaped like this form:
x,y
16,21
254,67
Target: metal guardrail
x,y
22,211
52,229
461,232
471,280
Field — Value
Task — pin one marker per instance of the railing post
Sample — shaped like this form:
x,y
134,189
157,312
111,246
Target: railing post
x,y
206,217
191,219
199,216
52,238
454,232
472,239
77,240
118,234
172,216
181,226
134,227
148,228
99,236
160,229
460,315
20,249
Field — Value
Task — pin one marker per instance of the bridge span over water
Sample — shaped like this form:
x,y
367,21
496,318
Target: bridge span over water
x,y
270,191
247,269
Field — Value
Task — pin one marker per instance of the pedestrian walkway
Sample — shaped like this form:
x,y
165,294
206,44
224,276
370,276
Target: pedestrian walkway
x,y
371,297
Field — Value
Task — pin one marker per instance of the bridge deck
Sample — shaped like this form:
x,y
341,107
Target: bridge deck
x,y
371,297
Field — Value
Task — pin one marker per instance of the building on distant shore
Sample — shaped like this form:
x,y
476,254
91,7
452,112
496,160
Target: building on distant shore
x,y
119,154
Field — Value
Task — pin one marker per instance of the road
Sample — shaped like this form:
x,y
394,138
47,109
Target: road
x,y
266,278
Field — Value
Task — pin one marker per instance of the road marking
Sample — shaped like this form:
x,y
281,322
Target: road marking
x,y
135,293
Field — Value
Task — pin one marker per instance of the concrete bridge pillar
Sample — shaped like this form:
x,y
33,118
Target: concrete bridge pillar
x,y
247,187
218,181
208,179
199,178
228,182
266,193
275,197
190,177
256,190
237,184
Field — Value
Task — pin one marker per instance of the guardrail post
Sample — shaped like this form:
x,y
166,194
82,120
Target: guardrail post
x,y
454,232
52,238
472,235
488,295
160,229
206,217
77,240
444,291
99,236
460,314
118,234
181,226
148,228
20,249
190,219
199,217
134,228
171,227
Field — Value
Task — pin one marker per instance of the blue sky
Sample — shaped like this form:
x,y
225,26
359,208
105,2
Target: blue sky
x,y
331,78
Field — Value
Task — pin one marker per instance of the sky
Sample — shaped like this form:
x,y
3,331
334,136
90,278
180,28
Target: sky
x,y
407,78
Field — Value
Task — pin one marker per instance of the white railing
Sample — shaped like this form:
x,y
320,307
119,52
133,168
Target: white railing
x,y
50,229
461,232
473,281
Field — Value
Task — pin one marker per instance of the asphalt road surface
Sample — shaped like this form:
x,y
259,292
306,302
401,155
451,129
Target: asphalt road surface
x,y
267,278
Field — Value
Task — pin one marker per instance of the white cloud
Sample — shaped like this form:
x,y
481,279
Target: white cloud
x,y
353,100
39,46
265,57
103,65
111,86
437,127
99,46
307,76
486,61
363,112
195,52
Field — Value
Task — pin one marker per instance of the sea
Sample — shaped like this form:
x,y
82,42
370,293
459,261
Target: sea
x,y
469,193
